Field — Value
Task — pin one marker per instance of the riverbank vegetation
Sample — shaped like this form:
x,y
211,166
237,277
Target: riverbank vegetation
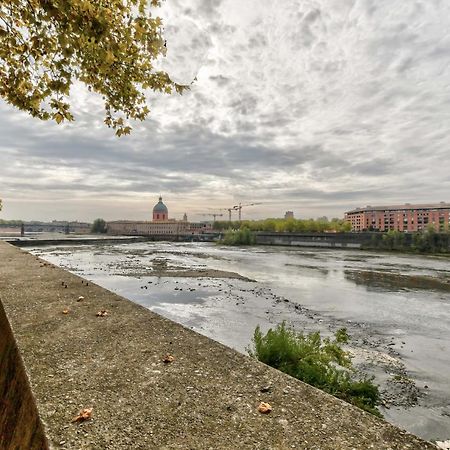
x,y
287,225
10,223
242,236
320,362
427,242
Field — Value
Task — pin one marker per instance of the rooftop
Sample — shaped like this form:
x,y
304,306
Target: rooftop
x,y
406,206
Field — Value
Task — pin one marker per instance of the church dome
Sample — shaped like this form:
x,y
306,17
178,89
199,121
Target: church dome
x,y
160,212
160,207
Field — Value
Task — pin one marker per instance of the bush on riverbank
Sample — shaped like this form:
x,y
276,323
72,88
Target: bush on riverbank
x,y
238,237
427,242
319,362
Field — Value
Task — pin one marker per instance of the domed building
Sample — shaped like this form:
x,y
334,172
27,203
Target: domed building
x,y
160,212
161,227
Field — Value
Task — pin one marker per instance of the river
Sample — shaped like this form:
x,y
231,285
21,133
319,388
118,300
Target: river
x,y
395,307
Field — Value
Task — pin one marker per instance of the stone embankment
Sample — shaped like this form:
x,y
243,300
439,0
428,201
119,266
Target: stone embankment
x,y
151,383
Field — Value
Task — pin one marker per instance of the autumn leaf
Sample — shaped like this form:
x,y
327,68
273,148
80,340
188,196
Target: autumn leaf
x,y
84,414
168,359
264,408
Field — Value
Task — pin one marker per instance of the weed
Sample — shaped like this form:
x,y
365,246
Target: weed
x,y
322,363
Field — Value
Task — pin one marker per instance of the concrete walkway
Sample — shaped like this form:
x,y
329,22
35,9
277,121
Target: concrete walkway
x,y
206,398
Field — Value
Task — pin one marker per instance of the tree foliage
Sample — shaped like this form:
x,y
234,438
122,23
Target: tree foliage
x,y
98,226
109,45
287,225
428,241
323,363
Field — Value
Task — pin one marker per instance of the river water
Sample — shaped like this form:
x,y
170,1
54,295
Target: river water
x,y
395,307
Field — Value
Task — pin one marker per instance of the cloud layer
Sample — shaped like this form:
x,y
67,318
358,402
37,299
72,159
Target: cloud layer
x,y
316,106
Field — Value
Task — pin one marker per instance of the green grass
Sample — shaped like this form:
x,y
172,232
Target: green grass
x,y
322,363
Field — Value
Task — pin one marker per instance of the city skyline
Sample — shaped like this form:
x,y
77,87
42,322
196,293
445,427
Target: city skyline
x,y
318,108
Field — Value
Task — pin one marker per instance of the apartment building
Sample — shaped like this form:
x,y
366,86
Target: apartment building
x,y
406,218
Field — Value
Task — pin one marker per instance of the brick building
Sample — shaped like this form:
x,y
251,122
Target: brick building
x,y
406,218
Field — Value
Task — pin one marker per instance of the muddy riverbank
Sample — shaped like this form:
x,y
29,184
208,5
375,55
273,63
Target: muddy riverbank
x,y
396,307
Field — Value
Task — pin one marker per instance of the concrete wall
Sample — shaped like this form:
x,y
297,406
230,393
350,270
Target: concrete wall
x,y
20,426
330,240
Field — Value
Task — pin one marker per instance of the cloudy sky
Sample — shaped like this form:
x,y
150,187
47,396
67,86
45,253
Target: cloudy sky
x,y
315,106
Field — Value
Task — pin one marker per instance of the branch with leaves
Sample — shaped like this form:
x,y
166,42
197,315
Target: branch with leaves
x,y
109,45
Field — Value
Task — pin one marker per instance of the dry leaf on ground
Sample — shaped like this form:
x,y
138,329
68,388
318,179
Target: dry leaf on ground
x,y
264,408
66,311
102,313
80,298
84,414
168,359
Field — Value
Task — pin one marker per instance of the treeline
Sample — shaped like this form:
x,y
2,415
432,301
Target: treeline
x,y
287,225
427,242
10,223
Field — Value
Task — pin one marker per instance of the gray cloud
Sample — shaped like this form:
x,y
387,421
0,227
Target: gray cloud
x,y
321,105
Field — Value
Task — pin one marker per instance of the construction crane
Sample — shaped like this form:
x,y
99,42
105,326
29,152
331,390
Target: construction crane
x,y
213,214
234,208
239,208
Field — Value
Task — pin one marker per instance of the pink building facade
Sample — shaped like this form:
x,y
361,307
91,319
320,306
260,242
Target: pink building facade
x,y
405,218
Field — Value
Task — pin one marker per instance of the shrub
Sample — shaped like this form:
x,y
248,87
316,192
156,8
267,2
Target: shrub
x,y
322,363
238,237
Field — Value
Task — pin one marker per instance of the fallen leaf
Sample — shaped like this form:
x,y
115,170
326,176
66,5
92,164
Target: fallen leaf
x,y
264,408
66,311
80,298
168,359
102,313
84,414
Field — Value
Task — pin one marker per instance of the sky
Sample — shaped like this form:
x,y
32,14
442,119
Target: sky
x,y
315,106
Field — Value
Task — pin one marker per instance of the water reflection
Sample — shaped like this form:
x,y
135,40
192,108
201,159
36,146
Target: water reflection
x,y
388,281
